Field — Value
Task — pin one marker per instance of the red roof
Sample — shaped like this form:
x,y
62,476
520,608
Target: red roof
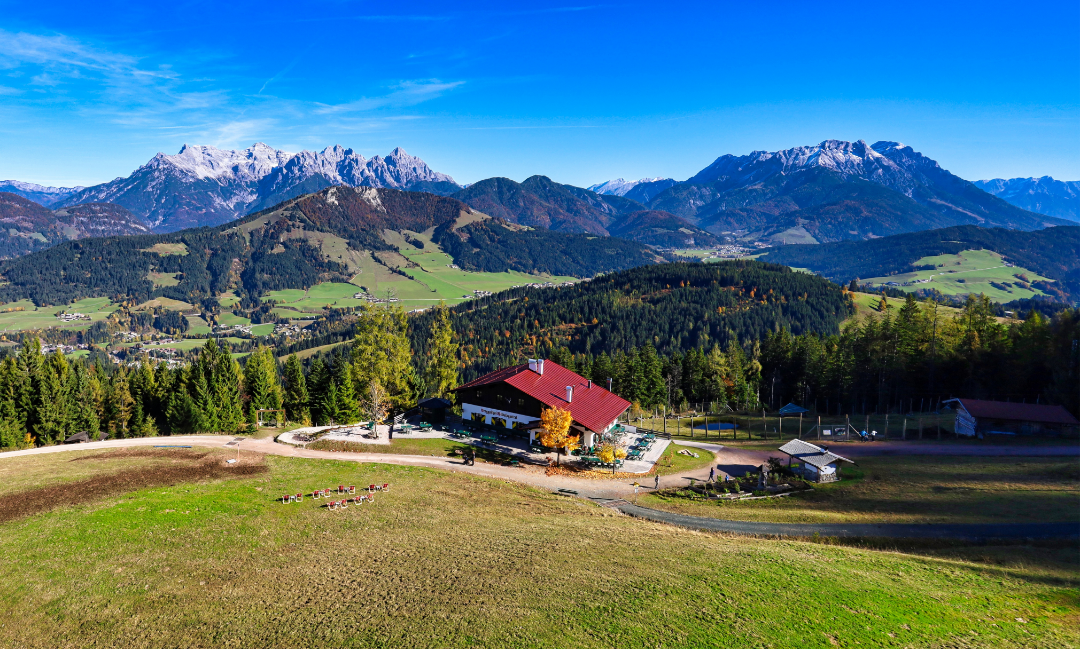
x,y
594,407
1040,413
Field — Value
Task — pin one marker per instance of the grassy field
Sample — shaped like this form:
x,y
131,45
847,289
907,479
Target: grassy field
x,y
898,489
229,319
971,271
168,249
405,446
311,351
450,560
167,302
187,344
438,281
163,279
672,462
23,315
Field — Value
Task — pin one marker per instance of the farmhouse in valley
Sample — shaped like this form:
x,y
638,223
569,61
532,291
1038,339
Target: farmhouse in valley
x,y
976,418
515,396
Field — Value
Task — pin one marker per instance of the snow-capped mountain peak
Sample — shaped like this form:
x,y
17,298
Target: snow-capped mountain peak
x,y
205,185
252,163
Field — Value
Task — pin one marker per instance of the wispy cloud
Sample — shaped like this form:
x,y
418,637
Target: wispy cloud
x,y
406,93
60,54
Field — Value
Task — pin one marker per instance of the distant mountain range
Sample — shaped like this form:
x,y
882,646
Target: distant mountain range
x,y
203,185
639,190
832,191
26,226
38,193
330,235
1044,195
836,191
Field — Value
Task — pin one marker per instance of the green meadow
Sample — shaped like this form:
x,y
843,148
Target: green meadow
x,y
970,271
172,548
22,315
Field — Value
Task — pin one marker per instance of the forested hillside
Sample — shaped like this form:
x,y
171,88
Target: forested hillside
x,y
674,307
326,236
540,202
1052,252
26,226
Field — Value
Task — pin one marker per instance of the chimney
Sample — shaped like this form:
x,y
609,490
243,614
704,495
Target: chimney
x,y
609,385
589,384
532,364
569,394
540,367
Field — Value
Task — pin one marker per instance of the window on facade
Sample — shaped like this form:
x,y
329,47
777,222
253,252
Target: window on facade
x,y
521,402
478,393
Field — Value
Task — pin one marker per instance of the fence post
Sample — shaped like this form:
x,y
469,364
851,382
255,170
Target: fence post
x,y
764,426
691,427
800,425
781,437
819,427
847,425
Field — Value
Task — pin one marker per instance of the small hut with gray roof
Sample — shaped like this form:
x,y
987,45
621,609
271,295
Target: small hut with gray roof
x,y
817,464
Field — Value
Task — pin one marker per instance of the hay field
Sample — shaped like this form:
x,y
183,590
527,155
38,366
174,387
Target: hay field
x,y
449,560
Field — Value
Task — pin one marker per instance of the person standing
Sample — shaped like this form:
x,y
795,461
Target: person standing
x,y
712,473
656,482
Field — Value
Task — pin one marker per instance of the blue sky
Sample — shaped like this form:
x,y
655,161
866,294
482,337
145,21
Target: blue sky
x,y
578,92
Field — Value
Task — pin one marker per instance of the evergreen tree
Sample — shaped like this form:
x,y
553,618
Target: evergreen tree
x,y
225,386
119,404
261,382
296,393
442,366
381,352
319,385
347,404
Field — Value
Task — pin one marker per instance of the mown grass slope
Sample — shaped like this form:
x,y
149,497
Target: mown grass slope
x,y
447,560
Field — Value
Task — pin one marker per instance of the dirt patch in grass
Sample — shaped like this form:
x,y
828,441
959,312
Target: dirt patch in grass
x,y
189,467
429,447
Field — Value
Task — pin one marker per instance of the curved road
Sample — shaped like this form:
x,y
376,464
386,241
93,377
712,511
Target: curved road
x,y
610,492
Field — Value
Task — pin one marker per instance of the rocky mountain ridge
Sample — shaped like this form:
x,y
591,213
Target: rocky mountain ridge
x,y
204,185
1045,195
825,192
40,194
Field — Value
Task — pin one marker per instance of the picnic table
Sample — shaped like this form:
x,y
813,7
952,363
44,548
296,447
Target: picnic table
x,y
489,438
406,427
425,426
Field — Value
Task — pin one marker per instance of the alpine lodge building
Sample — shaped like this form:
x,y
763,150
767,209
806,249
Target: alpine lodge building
x,y
513,398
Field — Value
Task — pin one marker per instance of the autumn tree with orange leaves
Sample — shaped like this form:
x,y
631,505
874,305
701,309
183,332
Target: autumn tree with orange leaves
x,y
556,422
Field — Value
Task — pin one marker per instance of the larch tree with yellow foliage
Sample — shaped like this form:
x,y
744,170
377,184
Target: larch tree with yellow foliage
x,y
556,422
